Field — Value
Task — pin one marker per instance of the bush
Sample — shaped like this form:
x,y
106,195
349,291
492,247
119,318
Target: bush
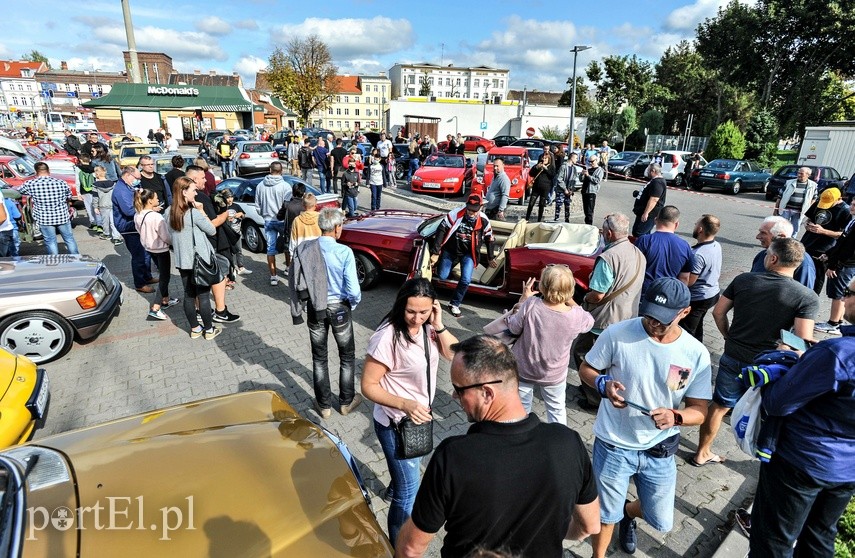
x,y
844,545
726,142
554,133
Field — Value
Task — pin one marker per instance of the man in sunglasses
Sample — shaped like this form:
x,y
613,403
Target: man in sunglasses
x,y
511,481
644,368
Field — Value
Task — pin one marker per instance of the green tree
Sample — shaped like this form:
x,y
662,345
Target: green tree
x,y
554,133
652,121
726,142
424,85
621,80
627,123
584,104
688,84
303,76
762,130
35,56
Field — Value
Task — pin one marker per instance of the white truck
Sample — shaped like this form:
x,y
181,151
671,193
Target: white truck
x,y
829,146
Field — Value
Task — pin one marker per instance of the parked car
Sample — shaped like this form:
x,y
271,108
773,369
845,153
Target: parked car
x,y
17,170
243,190
131,152
236,475
732,175
534,154
209,142
502,141
25,391
682,180
402,159
533,142
517,167
825,177
46,301
115,144
629,164
397,241
280,138
471,143
253,156
444,173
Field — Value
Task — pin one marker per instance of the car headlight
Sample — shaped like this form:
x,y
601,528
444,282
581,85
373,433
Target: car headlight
x,y
93,297
480,180
515,181
452,179
48,470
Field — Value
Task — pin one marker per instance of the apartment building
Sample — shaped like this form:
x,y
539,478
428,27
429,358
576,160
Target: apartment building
x,y
473,83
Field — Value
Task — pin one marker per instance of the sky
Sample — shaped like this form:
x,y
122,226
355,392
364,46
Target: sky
x,y
532,39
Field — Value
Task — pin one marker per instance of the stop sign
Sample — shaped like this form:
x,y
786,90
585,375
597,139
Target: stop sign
x,y
529,132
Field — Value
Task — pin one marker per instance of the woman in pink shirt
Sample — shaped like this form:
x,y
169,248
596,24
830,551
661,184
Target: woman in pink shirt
x,y
546,326
156,239
395,378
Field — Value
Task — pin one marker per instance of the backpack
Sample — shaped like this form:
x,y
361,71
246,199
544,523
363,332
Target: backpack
x,y
304,158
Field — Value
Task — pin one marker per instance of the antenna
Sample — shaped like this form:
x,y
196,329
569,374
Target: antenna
x,y
442,54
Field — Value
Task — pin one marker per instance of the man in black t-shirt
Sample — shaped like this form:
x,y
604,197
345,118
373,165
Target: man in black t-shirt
x,y
338,154
824,222
150,180
649,201
511,482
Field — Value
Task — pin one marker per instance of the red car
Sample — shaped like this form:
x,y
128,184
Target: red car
x,y
471,143
516,167
397,241
444,173
17,170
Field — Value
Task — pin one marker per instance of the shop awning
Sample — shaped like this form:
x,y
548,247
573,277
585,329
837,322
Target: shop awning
x,y
277,102
188,97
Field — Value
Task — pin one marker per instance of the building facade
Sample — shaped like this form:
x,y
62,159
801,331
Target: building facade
x,y
155,67
20,97
63,91
361,103
476,83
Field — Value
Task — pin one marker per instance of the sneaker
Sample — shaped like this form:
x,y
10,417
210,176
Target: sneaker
x,y
169,304
103,236
225,316
157,314
274,281
455,310
93,227
626,533
99,228
196,333
830,329
346,409
117,241
325,413
244,271
213,332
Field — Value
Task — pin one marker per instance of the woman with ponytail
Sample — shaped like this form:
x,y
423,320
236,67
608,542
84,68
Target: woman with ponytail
x,y
155,238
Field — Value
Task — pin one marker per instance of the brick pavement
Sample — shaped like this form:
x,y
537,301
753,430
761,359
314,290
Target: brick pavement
x,y
138,365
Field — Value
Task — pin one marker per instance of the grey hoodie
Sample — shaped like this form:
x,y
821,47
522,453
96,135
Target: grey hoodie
x,y
271,193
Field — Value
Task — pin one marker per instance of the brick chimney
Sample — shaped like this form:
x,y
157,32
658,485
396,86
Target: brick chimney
x,y
63,65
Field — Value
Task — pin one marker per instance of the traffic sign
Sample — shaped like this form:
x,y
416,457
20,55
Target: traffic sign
x,y
95,94
483,125
529,132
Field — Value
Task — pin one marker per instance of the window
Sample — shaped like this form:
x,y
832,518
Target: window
x,y
14,100
338,123
458,81
411,79
376,100
495,83
502,83
448,81
383,89
430,81
367,112
476,83
330,124
338,98
20,87
338,111
356,100
347,124
474,95
24,101
375,88
384,100
346,99
329,110
347,112
29,87
356,112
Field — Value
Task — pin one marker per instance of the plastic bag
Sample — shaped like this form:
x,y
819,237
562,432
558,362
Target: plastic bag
x,y
745,421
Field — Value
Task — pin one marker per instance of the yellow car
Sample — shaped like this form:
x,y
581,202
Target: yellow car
x,y
131,152
239,475
24,400
117,142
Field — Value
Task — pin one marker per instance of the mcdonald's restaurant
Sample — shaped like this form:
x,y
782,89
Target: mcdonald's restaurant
x,y
185,111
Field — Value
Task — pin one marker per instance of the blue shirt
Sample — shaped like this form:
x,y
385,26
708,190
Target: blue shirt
x,y
817,399
804,274
708,269
667,255
342,282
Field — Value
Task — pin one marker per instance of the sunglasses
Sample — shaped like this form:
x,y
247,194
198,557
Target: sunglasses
x,y
657,322
459,390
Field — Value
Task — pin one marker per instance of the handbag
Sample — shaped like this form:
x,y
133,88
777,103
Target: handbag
x,y
205,274
416,440
529,184
499,328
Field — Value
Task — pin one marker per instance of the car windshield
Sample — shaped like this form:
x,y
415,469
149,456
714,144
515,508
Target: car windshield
x,y
455,162
724,164
262,147
626,156
787,172
140,151
429,226
22,167
510,160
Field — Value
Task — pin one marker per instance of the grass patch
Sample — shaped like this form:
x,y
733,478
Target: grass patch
x,y
844,546
784,158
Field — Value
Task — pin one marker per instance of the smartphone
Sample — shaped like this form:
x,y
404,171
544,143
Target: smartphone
x,y
793,340
636,406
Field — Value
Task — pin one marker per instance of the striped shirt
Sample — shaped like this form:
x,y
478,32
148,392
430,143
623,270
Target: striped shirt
x,y
797,198
50,199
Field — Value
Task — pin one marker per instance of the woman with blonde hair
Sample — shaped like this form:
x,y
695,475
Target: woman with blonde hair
x,y
547,321
210,179
155,238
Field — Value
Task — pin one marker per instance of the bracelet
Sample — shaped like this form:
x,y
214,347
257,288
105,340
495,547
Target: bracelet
x,y
443,330
678,418
600,383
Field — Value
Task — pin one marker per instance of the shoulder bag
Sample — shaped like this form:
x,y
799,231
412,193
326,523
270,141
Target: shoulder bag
x,y
205,274
416,440
530,182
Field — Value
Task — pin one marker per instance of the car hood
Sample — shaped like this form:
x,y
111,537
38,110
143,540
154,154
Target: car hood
x,y
437,173
39,273
255,478
8,366
388,223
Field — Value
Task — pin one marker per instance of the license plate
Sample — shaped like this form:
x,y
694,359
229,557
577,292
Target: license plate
x,y
431,185
707,174
42,399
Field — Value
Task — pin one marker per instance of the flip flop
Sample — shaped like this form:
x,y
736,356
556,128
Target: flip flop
x,y
714,459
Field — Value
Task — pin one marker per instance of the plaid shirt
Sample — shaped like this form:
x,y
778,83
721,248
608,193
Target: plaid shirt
x,y
50,199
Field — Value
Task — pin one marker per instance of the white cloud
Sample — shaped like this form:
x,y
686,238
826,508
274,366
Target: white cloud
x,y
685,19
181,45
361,66
247,24
353,37
213,26
90,63
248,66
5,52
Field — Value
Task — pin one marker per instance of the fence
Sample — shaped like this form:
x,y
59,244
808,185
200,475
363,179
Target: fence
x,y
657,142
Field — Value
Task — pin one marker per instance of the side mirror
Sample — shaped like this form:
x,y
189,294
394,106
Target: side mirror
x,y
767,171
844,178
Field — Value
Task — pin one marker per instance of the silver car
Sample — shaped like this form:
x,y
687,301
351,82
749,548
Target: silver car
x,y
253,156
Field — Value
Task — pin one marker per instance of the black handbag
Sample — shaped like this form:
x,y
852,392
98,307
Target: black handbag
x,y
205,274
416,440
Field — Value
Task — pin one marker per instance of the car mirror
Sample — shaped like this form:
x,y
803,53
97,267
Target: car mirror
x,y
845,178
768,170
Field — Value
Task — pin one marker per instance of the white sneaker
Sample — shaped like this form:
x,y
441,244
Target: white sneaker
x,y
828,328
455,311
244,271
274,281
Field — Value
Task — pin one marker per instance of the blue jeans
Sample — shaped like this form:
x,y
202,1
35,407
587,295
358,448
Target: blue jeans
x,y
640,228
728,387
655,480
790,506
443,269
350,205
272,230
140,259
306,175
795,219
405,480
228,168
411,170
376,192
7,244
322,179
49,233
339,319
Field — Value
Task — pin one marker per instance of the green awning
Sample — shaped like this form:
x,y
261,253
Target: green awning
x,y
277,102
189,97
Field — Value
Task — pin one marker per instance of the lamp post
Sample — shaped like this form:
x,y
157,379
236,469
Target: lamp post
x,y
455,123
575,50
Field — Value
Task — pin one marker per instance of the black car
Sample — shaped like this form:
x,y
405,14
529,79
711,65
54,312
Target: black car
x,y
503,141
533,142
402,159
825,177
629,164
280,138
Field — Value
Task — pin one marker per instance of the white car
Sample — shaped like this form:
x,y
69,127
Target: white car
x,y
674,165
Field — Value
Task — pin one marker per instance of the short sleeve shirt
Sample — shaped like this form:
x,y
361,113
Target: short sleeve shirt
x,y
667,255
708,269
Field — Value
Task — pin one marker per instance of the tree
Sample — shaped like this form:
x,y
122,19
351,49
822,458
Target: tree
x,y
303,76
726,142
424,85
627,123
621,80
650,122
35,56
584,104
761,131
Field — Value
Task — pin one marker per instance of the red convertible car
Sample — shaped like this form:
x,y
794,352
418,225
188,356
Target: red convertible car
x,y
471,143
397,241
516,167
444,173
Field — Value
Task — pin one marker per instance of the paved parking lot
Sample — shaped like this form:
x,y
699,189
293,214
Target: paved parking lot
x,y
138,365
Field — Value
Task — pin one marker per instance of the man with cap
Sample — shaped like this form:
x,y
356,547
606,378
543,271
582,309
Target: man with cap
x,y
458,239
840,264
644,368
824,222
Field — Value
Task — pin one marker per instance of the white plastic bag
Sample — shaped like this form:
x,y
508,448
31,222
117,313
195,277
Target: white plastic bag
x,y
745,421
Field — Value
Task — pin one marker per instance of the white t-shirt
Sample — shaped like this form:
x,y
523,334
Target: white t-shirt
x,y
654,375
172,144
407,375
385,147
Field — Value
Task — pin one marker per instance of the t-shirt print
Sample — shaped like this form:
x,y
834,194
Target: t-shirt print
x,y
678,377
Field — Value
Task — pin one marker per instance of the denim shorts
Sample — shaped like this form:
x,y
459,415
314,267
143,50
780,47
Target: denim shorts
x,y
272,230
655,480
728,387
834,288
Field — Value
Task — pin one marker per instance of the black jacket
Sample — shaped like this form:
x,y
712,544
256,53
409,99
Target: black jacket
x,y
842,254
72,145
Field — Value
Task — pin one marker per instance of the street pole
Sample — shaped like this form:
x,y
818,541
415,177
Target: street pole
x,y
575,50
134,73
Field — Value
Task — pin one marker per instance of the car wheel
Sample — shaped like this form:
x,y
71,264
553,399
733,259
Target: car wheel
x,y
736,187
400,172
770,195
38,335
697,186
367,271
627,174
480,149
679,181
253,238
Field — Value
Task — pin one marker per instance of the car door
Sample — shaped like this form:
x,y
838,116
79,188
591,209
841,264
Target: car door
x,y
640,164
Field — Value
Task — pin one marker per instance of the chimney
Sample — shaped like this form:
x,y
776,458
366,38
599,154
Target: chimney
x,y
63,65
197,72
235,74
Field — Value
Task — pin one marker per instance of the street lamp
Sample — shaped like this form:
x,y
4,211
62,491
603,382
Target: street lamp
x,y
575,50
455,123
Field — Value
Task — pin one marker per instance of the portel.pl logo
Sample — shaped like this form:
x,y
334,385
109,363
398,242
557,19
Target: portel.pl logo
x,y
173,91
